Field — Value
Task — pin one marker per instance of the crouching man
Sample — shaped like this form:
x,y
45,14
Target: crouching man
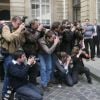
x,y
64,72
18,74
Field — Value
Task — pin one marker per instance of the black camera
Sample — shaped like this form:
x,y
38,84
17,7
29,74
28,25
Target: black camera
x,y
35,58
24,19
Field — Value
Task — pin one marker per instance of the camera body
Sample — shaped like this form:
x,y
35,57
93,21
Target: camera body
x,y
35,58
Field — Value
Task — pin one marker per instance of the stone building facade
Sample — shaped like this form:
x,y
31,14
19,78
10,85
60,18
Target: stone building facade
x,y
48,11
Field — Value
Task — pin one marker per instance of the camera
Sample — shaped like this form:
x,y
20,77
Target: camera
x,y
35,58
24,19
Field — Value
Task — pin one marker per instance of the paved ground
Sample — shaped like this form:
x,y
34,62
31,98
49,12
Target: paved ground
x,y
94,66
81,91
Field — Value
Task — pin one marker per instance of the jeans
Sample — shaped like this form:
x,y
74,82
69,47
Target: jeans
x,y
54,59
6,78
45,68
29,92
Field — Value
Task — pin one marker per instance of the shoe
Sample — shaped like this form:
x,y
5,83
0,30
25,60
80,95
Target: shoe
x,y
59,86
92,59
45,89
89,81
54,82
50,85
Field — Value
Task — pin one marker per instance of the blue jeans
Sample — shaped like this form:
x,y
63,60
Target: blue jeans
x,y
29,92
45,68
6,78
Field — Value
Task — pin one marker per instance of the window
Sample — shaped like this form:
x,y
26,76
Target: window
x,y
41,11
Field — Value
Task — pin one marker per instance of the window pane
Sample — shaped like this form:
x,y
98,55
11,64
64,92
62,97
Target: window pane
x,y
35,1
45,1
35,6
45,10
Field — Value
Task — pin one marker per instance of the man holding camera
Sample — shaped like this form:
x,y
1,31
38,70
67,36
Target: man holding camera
x,y
18,76
32,34
10,42
48,43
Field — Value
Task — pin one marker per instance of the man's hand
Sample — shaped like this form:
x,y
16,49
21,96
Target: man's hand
x,y
73,29
40,27
56,40
69,58
22,26
31,60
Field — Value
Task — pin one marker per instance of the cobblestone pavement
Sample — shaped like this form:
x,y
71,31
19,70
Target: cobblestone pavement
x,y
81,91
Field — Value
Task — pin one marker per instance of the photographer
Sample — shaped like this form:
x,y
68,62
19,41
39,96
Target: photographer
x,y
67,39
32,34
79,68
63,71
12,38
48,43
18,75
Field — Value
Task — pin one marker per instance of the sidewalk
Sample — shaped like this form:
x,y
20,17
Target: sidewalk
x,y
94,67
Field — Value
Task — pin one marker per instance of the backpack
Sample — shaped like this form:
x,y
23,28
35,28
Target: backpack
x,y
3,51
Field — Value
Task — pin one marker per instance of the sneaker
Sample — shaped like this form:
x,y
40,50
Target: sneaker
x,y
59,86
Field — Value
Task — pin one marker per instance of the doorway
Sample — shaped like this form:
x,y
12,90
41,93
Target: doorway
x,y
4,9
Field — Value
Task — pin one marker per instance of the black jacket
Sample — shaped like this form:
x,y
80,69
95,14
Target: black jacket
x,y
18,74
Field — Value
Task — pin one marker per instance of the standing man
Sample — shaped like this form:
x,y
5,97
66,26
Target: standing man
x,y
96,38
11,41
88,38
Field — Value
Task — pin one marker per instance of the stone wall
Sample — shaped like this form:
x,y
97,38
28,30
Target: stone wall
x,y
17,7
88,9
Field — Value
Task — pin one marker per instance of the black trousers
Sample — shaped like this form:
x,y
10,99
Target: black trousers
x,y
81,70
1,71
33,73
89,42
96,42
69,79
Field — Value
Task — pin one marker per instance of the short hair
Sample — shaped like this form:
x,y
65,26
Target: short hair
x,y
64,21
49,34
75,50
55,25
86,19
32,22
18,54
62,54
15,18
